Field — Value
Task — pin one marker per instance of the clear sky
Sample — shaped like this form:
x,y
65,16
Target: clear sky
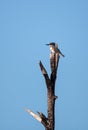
x,y
25,27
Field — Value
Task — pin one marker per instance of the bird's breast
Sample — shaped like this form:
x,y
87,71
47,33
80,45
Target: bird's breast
x,y
52,49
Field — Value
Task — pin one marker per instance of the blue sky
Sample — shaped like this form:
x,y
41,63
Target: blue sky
x,y
25,27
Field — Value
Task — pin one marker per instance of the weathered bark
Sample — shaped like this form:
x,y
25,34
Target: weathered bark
x,y
50,83
49,121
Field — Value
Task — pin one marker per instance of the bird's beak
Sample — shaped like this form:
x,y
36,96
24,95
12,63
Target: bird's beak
x,y
47,44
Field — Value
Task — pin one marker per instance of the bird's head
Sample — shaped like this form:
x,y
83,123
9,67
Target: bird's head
x,y
51,44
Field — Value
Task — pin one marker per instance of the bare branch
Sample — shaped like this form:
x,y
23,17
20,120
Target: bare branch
x,y
44,119
42,115
44,72
34,115
41,118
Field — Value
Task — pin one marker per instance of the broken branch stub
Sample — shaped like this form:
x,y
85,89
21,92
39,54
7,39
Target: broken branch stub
x,y
41,118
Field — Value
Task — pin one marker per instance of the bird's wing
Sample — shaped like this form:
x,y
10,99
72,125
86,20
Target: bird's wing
x,y
56,45
56,60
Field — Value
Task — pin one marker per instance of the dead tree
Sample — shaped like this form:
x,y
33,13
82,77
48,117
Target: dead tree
x,y
49,121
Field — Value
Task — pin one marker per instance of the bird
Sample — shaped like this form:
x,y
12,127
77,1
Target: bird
x,y
54,48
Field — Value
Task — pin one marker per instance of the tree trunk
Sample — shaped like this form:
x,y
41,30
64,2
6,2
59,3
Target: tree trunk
x,y
49,121
50,83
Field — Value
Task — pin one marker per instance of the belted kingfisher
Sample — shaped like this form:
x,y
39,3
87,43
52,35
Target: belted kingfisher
x,y
54,48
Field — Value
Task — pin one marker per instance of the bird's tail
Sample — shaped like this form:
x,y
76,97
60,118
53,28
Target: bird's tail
x,y
62,54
